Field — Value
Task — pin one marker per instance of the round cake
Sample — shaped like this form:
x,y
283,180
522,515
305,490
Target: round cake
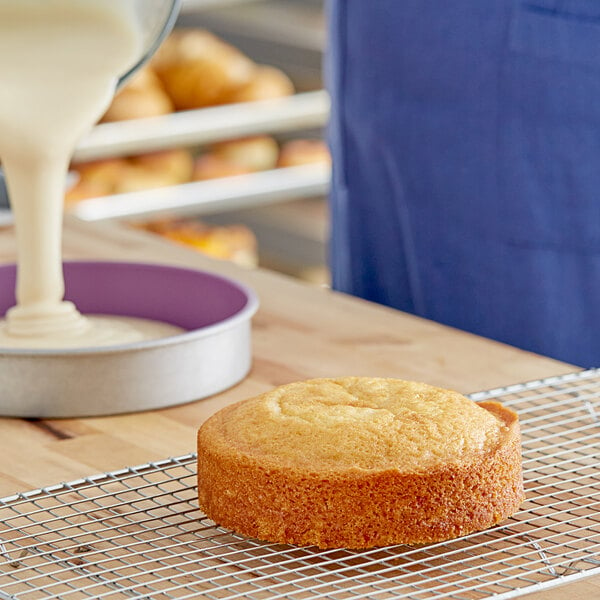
x,y
359,462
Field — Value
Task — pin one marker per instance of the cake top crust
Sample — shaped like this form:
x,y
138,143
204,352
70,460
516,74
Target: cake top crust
x,y
357,423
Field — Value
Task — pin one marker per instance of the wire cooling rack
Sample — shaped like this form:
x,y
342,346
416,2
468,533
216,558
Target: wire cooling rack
x,y
137,533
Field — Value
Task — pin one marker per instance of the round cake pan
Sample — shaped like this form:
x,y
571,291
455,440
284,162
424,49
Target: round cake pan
x,y
212,354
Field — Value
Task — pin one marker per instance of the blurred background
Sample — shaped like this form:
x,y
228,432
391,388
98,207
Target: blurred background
x,y
218,142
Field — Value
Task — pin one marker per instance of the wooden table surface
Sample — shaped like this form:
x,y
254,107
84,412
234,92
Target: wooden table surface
x,y
299,332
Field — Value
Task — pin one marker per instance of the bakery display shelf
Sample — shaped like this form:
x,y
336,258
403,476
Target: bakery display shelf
x,y
291,24
138,533
308,110
210,196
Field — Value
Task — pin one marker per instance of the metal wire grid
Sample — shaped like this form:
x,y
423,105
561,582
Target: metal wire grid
x,y
137,533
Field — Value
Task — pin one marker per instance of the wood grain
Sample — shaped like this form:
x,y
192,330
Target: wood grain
x,y
299,332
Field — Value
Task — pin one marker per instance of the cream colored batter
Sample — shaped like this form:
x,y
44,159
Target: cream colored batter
x,y
60,61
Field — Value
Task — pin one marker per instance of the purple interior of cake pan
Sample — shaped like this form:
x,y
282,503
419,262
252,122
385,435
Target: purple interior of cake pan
x,y
187,298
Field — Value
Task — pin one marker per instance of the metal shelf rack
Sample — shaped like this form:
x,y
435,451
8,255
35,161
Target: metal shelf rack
x,y
299,112
138,533
196,127
306,111
302,111
212,196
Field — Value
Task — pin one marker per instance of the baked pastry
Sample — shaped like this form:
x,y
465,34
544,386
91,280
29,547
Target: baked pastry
x,y
209,166
266,83
175,164
303,152
359,462
96,178
234,242
137,173
143,96
198,69
256,153
237,157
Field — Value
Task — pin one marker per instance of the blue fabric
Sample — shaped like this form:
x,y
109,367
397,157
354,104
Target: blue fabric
x,y
466,145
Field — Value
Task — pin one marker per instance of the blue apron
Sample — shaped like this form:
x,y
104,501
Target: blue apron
x,y
466,145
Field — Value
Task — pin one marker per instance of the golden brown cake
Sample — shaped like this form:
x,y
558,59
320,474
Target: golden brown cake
x,y
359,462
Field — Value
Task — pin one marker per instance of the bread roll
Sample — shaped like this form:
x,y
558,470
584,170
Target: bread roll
x,y
232,242
175,164
143,96
209,166
266,83
123,175
303,152
258,153
198,69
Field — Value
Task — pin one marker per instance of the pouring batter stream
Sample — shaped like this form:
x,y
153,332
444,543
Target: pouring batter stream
x,y
60,61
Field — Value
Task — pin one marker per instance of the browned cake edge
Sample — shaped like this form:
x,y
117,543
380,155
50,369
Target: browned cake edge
x,y
359,509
